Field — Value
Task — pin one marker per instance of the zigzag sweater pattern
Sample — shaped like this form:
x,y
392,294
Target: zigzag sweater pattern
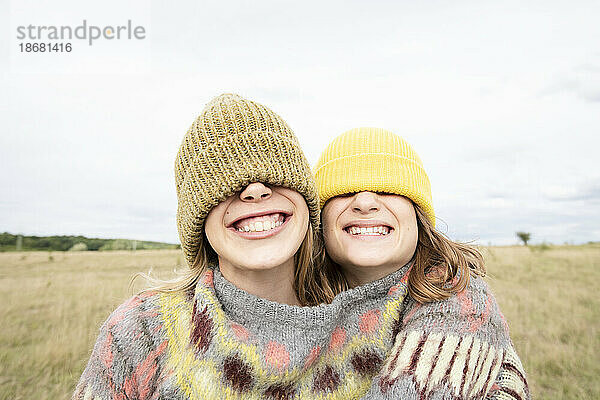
x,y
458,348
219,342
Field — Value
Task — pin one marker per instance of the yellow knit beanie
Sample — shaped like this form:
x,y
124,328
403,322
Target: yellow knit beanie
x,y
233,143
375,160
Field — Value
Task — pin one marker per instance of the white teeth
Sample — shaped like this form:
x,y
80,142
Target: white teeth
x,y
260,226
381,230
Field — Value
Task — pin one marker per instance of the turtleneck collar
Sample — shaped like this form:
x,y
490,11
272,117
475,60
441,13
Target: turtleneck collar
x,y
242,306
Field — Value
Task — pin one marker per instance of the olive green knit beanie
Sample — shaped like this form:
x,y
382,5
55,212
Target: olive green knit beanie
x,y
233,143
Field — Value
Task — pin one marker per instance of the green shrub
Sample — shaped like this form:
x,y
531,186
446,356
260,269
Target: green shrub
x,y
79,247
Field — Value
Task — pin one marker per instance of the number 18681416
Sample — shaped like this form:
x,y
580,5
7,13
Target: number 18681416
x,y
45,47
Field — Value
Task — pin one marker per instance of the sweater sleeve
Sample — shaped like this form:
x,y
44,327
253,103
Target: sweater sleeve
x,y
457,348
511,382
123,360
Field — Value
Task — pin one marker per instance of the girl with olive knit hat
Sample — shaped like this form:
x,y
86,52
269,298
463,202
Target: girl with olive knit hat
x,y
377,216
231,327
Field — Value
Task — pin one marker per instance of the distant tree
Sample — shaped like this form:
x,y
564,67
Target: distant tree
x,y
8,239
524,236
95,244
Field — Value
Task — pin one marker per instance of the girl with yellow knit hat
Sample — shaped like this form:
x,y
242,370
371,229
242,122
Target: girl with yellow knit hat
x,y
378,218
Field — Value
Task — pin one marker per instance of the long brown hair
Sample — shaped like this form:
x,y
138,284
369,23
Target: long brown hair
x,y
441,267
317,281
311,282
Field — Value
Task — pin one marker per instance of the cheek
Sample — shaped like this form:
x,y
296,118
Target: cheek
x,y
214,225
209,226
302,220
297,201
304,212
411,231
405,215
213,235
407,220
410,238
335,245
330,213
330,234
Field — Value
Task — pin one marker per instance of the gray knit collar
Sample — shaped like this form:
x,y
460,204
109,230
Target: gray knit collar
x,y
241,306
285,339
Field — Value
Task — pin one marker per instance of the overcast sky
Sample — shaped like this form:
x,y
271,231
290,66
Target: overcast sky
x,y
500,99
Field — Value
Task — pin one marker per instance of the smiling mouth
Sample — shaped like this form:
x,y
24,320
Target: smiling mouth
x,y
262,223
377,230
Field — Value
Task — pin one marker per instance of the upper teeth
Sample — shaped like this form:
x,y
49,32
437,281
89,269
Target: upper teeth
x,y
371,230
259,226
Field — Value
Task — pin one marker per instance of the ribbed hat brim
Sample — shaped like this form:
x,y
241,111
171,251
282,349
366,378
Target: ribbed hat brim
x,y
375,172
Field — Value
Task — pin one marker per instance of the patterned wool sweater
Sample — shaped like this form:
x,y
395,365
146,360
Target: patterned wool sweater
x,y
458,348
219,342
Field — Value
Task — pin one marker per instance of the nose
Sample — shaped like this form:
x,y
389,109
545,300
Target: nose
x,y
365,203
255,192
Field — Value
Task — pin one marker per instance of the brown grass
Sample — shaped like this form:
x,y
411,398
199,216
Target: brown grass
x,y
53,308
552,303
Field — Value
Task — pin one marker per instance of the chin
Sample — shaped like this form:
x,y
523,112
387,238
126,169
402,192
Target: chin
x,y
261,263
366,261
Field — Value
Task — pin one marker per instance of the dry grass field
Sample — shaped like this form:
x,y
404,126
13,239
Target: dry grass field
x,y
54,303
